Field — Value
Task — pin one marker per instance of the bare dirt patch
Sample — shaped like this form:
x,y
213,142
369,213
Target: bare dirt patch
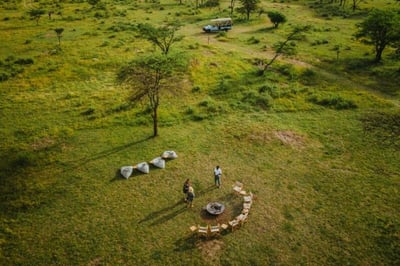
x,y
289,138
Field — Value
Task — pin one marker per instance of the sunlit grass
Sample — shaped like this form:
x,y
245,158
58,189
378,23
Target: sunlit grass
x,y
325,189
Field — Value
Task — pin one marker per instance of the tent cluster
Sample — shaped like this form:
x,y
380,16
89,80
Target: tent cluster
x,y
144,167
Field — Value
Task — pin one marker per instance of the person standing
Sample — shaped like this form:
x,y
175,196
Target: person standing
x,y
217,176
190,197
185,189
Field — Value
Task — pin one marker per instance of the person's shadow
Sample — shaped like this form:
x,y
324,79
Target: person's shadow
x,y
165,214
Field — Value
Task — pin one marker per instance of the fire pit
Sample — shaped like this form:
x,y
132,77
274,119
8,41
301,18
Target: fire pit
x,y
215,208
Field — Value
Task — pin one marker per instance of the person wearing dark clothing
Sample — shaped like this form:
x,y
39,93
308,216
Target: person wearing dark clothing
x,y
185,189
190,197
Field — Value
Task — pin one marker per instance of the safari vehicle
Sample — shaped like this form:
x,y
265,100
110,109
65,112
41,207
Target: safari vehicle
x,y
219,24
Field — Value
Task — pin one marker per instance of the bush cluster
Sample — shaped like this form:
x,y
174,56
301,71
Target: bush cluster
x,y
333,101
12,66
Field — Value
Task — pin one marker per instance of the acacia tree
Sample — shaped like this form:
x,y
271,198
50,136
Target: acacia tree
x,y
148,76
59,32
381,28
276,18
163,37
284,47
248,6
36,14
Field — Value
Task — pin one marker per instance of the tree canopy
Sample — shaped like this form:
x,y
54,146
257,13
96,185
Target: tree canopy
x,y
248,6
36,14
381,28
163,36
148,76
276,18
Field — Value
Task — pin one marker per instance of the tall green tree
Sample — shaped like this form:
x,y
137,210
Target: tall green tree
x,y
148,77
276,18
381,28
163,37
248,6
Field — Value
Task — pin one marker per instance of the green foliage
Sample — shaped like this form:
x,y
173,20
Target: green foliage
x,y
59,32
163,37
260,100
147,76
12,66
308,76
66,130
93,3
36,14
253,40
381,28
276,18
248,7
210,3
333,101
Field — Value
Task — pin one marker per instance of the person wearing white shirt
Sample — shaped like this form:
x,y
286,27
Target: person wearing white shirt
x,y
217,176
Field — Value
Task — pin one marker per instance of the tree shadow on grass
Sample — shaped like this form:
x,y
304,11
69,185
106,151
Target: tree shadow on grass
x,y
168,216
204,191
80,162
264,30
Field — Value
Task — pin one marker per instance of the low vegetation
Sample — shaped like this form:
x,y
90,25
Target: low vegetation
x,y
315,135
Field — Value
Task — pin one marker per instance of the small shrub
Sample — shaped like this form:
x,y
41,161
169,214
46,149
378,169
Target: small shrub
x,y
308,76
89,111
22,61
24,159
4,76
333,101
257,100
271,90
223,88
253,40
189,111
194,46
196,89
287,70
104,44
221,34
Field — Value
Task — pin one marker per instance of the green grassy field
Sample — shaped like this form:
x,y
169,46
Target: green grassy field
x,y
316,139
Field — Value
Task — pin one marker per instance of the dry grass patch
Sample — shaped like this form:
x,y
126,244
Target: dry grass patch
x,y
211,249
289,138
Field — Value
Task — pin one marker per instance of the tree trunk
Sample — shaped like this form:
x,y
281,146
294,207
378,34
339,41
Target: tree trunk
x,y
378,55
155,122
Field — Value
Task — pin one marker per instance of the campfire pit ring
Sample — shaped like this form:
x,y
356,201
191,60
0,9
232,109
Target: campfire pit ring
x,y
215,208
